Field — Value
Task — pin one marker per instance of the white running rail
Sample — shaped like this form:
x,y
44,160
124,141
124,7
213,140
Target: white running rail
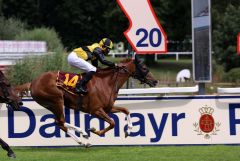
x,y
162,90
235,90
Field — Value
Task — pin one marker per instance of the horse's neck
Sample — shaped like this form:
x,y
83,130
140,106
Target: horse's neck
x,y
119,78
113,77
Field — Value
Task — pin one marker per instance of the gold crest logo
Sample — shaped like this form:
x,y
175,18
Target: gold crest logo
x,y
206,125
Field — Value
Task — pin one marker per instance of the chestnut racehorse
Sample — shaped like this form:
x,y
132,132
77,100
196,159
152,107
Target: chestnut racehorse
x,y
102,93
8,96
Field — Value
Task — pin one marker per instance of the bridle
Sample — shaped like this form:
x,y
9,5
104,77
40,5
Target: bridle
x,y
122,70
140,74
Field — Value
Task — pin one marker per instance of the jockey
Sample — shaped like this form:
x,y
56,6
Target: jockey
x,y
79,57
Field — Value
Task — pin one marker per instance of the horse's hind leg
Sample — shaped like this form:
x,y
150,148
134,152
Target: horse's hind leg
x,y
100,113
60,120
69,129
6,147
71,132
125,111
77,129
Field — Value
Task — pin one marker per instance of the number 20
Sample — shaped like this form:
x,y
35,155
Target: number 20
x,y
141,42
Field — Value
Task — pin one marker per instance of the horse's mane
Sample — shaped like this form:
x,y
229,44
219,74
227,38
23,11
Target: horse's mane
x,y
126,60
104,71
109,70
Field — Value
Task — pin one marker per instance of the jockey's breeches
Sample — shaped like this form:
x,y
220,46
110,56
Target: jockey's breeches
x,y
80,63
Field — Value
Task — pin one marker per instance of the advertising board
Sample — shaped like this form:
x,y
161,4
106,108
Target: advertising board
x,y
168,120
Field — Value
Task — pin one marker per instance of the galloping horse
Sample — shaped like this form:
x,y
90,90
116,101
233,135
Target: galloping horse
x,y
102,93
8,96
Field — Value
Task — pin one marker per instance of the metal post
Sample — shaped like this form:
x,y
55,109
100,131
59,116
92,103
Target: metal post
x,y
201,88
201,43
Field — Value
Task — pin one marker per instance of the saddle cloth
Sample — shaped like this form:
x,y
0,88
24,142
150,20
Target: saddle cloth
x,y
68,81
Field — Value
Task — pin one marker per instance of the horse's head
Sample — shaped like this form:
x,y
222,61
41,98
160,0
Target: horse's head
x,y
7,94
143,74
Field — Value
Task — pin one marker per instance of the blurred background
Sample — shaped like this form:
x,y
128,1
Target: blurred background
x,y
67,24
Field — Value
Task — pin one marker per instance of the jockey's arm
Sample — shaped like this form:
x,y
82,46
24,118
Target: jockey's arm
x,y
98,53
95,63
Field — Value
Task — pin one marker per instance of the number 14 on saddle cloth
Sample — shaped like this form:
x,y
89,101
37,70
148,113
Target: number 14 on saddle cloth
x,y
68,81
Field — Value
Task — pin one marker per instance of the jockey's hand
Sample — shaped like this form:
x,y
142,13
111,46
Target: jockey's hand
x,y
116,66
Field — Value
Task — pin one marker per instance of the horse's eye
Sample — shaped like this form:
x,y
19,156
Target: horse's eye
x,y
145,69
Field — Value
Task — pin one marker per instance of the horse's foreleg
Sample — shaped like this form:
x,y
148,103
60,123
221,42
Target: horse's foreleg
x,y
6,147
125,111
101,114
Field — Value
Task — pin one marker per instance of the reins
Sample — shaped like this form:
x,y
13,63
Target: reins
x,y
115,86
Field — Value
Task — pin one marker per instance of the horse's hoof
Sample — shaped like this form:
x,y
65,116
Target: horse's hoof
x,y
88,145
85,136
11,155
92,129
126,134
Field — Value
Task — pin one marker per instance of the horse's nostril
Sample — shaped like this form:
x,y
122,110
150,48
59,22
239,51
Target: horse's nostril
x,y
20,103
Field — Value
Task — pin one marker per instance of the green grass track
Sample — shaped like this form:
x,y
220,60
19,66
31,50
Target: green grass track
x,y
128,153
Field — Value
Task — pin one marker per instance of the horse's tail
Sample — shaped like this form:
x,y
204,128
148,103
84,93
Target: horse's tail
x,y
23,89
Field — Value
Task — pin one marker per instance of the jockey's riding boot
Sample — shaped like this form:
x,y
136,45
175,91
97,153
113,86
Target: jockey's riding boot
x,y
81,85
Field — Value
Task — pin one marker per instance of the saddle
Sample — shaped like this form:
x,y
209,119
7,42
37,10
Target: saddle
x,y
67,81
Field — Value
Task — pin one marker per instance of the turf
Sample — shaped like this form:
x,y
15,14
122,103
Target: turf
x,y
128,153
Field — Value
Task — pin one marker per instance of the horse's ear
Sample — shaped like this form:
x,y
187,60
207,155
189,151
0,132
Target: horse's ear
x,y
137,60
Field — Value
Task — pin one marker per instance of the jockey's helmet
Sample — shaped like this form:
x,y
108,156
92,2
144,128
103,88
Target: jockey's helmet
x,y
106,45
